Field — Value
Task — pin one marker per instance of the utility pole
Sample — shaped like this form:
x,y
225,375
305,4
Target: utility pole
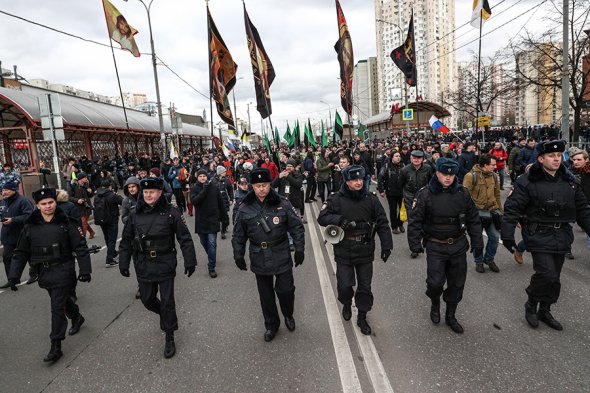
x,y
565,86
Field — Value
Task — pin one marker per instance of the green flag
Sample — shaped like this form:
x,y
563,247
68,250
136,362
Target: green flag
x,y
309,137
287,136
267,143
361,131
338,127
296,135
276,137
324,136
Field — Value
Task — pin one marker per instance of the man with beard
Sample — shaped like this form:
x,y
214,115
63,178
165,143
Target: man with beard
x,y
581,168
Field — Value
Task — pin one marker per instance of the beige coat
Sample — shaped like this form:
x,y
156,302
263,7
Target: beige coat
x,y
486,192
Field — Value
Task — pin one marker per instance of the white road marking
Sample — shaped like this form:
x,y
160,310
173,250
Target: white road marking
x,y
371,358
348,375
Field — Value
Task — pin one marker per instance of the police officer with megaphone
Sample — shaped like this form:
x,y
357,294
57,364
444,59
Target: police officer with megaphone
x,y
360,215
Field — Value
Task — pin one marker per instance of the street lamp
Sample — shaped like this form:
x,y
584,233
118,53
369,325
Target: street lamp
x,y
329,114
158,101
233,92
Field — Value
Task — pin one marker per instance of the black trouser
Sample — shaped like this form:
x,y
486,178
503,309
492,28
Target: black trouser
x,y
110,232
323,186
395,204
165,306
345,281
284,288
446,263
62,308
179,196
7,257
311,188
545,285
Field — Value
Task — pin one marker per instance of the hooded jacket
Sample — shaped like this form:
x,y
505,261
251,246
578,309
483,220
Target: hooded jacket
x,y
129,201
486,190
18,208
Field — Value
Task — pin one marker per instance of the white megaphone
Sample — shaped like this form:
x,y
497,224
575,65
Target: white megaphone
x,y
333,234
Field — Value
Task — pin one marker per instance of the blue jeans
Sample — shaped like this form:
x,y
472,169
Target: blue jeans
x,y
522,247
367,183
209,243
110,232
491,245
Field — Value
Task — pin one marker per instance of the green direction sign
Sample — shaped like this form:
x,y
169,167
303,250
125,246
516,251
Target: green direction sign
x,y
408,115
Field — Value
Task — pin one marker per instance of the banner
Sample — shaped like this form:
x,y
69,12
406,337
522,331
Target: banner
x,y
119,30
338,126
405,56
264,73
223,74
343,48
481,13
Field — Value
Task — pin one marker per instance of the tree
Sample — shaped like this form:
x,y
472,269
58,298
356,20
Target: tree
x,y
539,57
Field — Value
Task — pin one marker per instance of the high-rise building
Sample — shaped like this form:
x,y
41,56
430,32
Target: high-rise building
x,y
365,89
434,25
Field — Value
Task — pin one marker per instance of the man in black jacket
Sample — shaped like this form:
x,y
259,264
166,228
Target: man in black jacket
x,y
442,212
14,210
265,219
48,242
390,184
547,200
150,233
360,215
106,215
210,213
81,194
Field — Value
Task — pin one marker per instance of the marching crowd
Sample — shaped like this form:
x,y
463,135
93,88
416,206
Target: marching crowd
x,y
446,189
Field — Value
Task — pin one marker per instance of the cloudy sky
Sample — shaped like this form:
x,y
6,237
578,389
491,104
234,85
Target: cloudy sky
x,y
298,35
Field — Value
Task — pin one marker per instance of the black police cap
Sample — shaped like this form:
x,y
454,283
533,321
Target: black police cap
x,y
151,183
551,147
260,175
44,193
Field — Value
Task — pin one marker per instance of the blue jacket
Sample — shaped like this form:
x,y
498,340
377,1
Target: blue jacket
x,y
173,174
19,209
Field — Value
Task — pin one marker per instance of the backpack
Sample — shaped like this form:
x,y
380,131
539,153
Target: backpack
x,y
102,213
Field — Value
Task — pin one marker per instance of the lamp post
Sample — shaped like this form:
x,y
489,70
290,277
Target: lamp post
x,y
329,114
233,92
158,101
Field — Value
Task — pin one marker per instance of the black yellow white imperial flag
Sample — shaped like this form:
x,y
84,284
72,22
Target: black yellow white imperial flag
x,y
481,11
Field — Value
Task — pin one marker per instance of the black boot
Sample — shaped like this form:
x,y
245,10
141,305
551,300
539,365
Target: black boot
x,y
544,315
346,312
363,324
451,320
76,324
530,313
435,311
170,348
55,352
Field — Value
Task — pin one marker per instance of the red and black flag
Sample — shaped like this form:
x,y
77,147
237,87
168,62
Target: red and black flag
x,y
222,71
346,59
264,73
405,56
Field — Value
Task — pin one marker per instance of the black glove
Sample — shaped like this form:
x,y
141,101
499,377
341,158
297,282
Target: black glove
x,y
124,272
510,245
189,270
84,278
348,225
241,264
478,251
385,255
206,185
419,250
13,283
299,257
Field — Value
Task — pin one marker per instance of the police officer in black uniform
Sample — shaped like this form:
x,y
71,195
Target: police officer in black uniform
x,y
265,218
150,232
48,241
547,200
361,215
442,212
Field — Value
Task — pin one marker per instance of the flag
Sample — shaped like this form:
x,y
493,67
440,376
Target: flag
x,y
264,73
405,56
324,136
245,139
360,132
438,125
277,137
173,152
481,13
230,146
223,74
346,59
267,144
338,126
309,138
287,136
296,135
119,30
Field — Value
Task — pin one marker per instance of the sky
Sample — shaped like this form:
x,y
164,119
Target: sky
x,y
299,37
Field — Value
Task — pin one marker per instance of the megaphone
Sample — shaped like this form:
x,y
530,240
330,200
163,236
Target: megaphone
x,y
333,234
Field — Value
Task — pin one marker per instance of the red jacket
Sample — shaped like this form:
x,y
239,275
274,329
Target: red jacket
x,y
274,171
501,156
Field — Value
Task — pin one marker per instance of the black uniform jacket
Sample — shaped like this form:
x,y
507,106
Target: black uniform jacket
x,y
363,208
38,235
167,223
437,213
534,194
281,218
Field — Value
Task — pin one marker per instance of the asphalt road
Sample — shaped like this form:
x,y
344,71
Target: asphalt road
x,y
220,346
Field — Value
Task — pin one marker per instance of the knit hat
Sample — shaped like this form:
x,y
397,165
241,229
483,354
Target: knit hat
x,y
291,161
201,172
221,170
155,171
10,185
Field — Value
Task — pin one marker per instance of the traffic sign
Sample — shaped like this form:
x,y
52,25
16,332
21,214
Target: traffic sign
x,y
408,115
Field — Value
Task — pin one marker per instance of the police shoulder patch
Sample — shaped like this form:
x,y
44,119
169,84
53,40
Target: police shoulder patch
x,y
80,231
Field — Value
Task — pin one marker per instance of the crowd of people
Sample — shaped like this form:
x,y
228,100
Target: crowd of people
x,y
441,190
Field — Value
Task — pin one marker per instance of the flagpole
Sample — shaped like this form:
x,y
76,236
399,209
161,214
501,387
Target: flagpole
x,y
209,66
477,104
